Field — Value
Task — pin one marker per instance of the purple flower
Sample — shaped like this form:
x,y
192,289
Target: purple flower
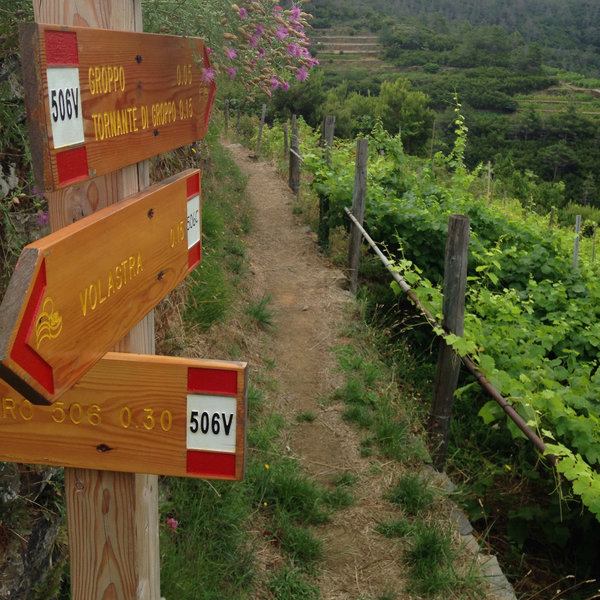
x,y
274,83
208,75
277,8
230,53
284,85
302,74
294,49
281,33
295,13
232,72
253,41
43,219
208,49
243,13
172,523
260,30
261,53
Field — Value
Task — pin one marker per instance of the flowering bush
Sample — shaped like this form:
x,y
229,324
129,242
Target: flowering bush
x,y
265,44
258,43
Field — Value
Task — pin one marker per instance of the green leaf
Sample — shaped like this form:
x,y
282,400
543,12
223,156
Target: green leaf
x,y
486,363
490,411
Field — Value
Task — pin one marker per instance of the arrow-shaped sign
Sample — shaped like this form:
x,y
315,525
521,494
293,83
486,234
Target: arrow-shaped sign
x,y
99,100
78,291
139,414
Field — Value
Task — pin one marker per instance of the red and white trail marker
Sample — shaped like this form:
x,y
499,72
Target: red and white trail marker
x,y
136,413
99,100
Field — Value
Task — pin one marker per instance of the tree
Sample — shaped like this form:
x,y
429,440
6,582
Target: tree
x,y
558,157
400,108
534,58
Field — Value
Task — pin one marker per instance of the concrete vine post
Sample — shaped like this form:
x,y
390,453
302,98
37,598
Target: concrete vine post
x,y
358,210
448,368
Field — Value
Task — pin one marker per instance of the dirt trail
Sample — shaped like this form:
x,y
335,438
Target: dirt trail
x,y
311,307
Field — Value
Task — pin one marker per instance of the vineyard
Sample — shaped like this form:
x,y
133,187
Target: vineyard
x,y
531,322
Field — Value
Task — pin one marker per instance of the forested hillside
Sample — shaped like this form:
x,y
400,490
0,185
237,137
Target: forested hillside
x,y
567,30
523,72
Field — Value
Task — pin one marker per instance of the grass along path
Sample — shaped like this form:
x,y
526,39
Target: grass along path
x,y
337,502
316,329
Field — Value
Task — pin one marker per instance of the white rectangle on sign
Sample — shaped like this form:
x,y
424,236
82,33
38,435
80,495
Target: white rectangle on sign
x,y
211,423
64,100
193,220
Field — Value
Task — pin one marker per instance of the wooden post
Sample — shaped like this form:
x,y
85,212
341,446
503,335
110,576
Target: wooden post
x,y
576,243
112,518
286,149
260,127
327,144
448,368
431,148
294,171
237,125
358,209
226,117
327,137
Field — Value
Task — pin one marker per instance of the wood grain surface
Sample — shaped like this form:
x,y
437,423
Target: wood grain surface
x,y
129,414
138,95
92,281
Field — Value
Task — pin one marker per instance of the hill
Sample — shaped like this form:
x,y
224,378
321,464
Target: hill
x,y
522,72
568,31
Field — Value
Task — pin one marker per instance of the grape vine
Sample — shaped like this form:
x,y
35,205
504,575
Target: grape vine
x,y
532,323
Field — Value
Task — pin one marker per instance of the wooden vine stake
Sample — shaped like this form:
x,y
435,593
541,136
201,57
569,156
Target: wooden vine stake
x,y
358,210
263,114
446,377
577,241
327,143
294,166
226,128
286,148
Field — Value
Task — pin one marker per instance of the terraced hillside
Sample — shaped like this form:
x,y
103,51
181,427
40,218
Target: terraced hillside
x,y
556,98
340,50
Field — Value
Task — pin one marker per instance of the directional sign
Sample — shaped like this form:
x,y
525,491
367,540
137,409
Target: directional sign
x,y
139,414
78,291
99,100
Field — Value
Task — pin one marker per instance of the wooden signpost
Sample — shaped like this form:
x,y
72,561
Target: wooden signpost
x,y
99,100
78,291
139,414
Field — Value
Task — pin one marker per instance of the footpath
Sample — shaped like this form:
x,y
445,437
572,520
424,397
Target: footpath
x,y
311,307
